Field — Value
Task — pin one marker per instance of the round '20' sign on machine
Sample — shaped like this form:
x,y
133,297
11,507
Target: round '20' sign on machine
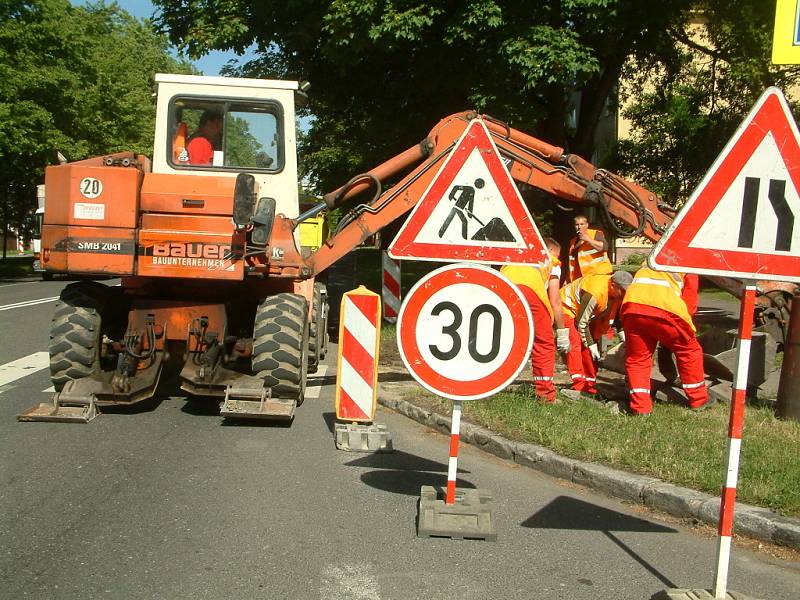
x,y
464,332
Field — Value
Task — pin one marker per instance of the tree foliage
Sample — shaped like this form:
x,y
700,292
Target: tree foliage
x,y
72,79
383,72
685,105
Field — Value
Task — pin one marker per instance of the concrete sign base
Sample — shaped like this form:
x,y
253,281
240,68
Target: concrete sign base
x,y
356,437
470,517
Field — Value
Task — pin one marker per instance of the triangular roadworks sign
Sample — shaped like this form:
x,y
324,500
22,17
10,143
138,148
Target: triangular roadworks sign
x,y
471,211
743,220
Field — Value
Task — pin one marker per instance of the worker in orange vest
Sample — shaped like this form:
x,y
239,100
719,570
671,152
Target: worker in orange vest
x,y
587,303
658,308
539,285
587,251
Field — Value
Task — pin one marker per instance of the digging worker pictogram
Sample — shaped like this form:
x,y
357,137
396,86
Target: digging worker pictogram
x,y
658,308
464,198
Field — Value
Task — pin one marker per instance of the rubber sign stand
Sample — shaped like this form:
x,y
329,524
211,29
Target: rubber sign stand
x,y
735,426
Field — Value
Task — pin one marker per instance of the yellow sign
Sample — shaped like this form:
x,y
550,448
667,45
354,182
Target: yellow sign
x,y
786,43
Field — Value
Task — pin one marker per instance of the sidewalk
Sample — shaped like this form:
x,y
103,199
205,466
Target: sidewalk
x,y
758,523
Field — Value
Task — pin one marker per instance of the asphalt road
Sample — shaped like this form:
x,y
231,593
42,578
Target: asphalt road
x,y
167,501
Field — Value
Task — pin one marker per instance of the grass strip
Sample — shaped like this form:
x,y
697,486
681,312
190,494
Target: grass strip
x,y
673,444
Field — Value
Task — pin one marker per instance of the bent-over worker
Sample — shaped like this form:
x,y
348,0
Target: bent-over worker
x,y
658,308
588,302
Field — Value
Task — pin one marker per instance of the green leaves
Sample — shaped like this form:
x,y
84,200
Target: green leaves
x,y
76,80
684,104
545,55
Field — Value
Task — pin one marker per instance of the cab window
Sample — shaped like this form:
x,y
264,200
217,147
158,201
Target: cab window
x,y
226,135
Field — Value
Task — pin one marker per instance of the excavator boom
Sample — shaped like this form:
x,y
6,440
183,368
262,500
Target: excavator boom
x,y
628,209
530,161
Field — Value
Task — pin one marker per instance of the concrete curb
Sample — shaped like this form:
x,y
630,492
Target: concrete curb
x,y
751,521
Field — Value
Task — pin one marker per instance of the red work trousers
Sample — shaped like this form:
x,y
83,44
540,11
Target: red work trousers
x,y
642,333
543,355
580,363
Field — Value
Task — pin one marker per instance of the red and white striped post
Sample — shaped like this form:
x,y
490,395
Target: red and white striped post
x,y
735,426
390,290
452,465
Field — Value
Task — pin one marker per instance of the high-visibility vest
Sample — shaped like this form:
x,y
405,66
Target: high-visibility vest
x,y
531,276
596,285
660,290
591,261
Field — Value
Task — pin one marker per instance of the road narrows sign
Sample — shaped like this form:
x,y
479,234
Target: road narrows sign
x,y
464,332
743,220
471,211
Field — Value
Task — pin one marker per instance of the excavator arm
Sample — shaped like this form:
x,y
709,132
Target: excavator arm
x,y
529,160
628,209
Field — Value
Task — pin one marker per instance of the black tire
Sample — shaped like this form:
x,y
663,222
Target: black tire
x,y
75,332
280,345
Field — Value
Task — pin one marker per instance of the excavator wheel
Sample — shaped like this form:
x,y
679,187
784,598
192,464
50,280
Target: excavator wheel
x,y
75,332
317,331
280,345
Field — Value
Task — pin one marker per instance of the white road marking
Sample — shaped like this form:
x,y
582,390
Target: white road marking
x,y
22,367
314,383
5,285
27,303
50,390
349,582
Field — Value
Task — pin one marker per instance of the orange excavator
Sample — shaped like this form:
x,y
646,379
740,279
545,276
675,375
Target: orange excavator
x,y
214,272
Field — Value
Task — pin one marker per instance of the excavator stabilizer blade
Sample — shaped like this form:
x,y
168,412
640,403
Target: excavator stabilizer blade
x,y
65,408
255,403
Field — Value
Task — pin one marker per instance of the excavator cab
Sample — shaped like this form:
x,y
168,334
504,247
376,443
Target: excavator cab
x,y
247,135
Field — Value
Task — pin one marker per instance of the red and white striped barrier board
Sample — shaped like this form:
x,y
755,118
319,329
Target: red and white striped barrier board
x,y
735,426
357,366
391,287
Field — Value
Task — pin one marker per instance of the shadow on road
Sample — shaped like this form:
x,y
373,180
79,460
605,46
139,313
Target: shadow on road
x,y
144,406
570,513
399,461
330,420
408,483
403,473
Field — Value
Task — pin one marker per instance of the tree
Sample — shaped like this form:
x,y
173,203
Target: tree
x,y
685,105
72,79
384,71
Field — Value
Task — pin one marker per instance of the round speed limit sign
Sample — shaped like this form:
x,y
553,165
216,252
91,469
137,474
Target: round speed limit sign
x,y
464,332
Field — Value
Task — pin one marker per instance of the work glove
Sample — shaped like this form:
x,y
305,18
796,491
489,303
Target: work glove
x,y
562,340
595,352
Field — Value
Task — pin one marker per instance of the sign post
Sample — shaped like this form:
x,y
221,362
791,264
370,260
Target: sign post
x,y
752,189
735,426
464,332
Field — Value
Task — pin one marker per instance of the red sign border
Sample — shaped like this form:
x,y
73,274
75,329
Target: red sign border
x,y
475,136
769,115
407,338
